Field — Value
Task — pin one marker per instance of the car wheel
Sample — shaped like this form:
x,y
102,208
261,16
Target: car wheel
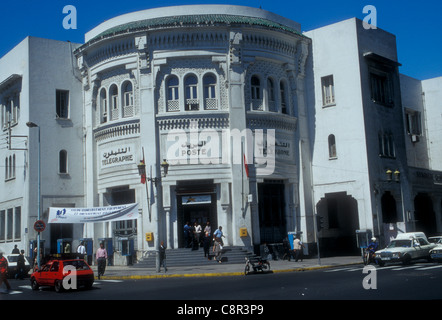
x,y
88,284
58,286
34,284
406,260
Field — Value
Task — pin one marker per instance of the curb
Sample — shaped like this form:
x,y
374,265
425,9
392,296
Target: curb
x,y
216,274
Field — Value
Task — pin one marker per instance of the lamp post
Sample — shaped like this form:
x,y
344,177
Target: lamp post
x,y
144,179
33,125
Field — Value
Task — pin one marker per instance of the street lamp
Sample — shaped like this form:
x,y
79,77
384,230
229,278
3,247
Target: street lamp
x,y
33,125
142,172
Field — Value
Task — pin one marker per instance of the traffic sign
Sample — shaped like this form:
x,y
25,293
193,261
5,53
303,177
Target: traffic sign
x,y
39,226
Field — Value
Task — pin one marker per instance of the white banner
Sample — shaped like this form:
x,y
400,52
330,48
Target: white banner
x,y
98,214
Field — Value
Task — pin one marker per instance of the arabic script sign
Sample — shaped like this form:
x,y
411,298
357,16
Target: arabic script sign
x,y
117,156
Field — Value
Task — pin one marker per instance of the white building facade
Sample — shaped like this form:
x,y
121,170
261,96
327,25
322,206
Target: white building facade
x,y
263,128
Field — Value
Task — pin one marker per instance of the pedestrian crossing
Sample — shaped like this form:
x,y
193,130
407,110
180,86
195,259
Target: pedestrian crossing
x,y
417,267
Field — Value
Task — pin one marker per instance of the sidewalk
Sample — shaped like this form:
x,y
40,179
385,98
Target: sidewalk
x,y
213,269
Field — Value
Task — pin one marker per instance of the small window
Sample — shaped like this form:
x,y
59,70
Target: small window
x,y
413,122
386,145
332,147
62,104
380,89
63,162
328,91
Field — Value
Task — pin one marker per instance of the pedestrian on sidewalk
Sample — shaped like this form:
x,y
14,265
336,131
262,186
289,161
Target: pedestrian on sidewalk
x,y
219,234
196,235
208,228
101,256
163,256
81,250
298,248
4,272
20,266
217,249
187,234
206,245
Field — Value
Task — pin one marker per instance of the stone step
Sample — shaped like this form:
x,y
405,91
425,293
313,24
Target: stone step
x,y
189,257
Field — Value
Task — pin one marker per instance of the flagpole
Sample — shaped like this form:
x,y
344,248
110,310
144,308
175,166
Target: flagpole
x,y
242,177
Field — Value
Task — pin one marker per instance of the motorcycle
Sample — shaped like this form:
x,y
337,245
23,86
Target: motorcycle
x,y
257,264
368,256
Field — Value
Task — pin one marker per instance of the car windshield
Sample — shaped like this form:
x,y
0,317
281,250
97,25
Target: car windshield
x,y
78,264
12,258
400,244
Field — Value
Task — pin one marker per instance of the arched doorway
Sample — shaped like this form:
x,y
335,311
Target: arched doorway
x,y
339,213
424,215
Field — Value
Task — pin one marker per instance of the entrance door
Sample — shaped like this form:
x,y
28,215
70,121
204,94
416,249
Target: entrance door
x,y
272,222
191,208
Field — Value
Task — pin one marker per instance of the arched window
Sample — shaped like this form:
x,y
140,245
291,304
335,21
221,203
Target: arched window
x,y
103,105
271,94
209,83
332,147
128,99
256,88
256,93
191,92
172,95
63,161
114,101
283,92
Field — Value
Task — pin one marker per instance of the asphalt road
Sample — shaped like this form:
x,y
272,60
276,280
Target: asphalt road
x,y
419,281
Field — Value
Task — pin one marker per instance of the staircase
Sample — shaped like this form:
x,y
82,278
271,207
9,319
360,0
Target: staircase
x,y
188,257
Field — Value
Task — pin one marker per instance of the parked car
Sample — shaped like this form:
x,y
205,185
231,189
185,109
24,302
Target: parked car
x,y
436,252
55,271
406,247
434,239
12,265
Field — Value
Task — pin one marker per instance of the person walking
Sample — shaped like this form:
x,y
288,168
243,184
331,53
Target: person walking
x,y
187,234
4,272
217,249
196,235
101,256
163,256
206,245
208,228
297,248
20,265
219,234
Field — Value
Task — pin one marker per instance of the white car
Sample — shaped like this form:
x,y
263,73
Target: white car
x,y
12,264
406,247
436,252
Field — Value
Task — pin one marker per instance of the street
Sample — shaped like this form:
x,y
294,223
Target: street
x,y
418,281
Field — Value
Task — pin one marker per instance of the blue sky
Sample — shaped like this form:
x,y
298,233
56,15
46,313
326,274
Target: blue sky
x,y
416,24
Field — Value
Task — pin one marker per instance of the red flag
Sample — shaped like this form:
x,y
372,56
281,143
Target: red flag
x,y
246,166
143,176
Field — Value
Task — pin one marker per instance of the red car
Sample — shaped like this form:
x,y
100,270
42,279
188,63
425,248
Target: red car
x,y
63,275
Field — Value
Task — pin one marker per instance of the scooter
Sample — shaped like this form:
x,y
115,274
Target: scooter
x,y
368,256
258,264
